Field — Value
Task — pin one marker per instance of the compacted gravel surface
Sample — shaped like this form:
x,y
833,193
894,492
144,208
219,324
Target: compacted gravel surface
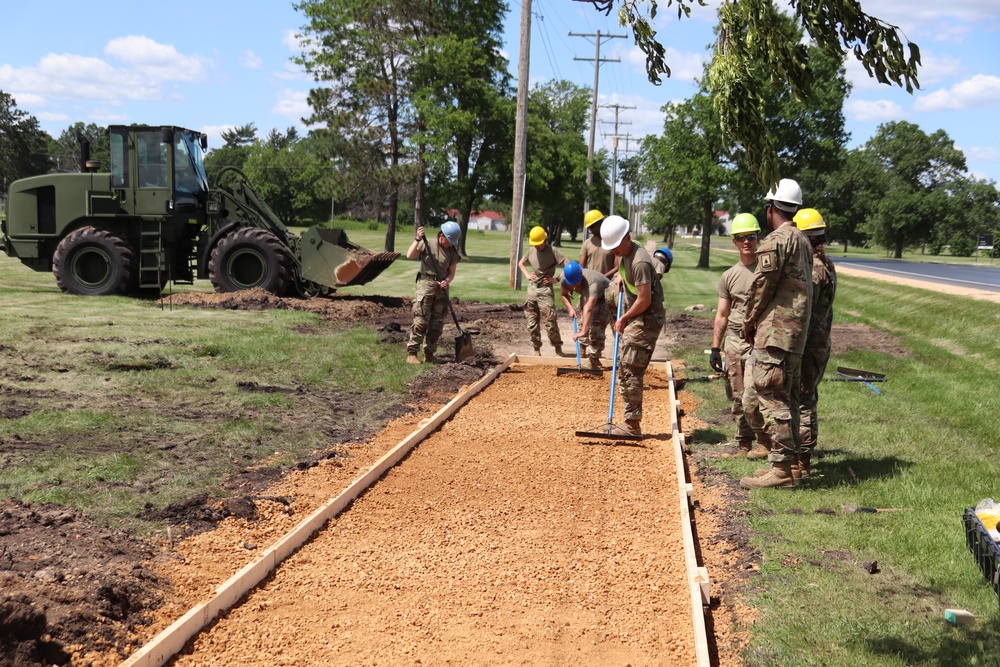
x,y
501,539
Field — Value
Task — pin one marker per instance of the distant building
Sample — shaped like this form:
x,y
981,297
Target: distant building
x,y
484,220
694,229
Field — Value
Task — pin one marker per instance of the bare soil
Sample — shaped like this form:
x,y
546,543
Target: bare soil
x,y
534,565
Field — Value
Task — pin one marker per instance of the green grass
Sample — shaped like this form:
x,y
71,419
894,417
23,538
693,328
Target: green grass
x,y
929,443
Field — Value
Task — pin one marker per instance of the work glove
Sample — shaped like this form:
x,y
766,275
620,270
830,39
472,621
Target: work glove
x,y
715,360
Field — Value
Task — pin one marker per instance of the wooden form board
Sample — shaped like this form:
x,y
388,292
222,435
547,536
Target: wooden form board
x,y
172,640
698,581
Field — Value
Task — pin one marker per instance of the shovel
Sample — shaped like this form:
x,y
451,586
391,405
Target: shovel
x,y
463,341
579,367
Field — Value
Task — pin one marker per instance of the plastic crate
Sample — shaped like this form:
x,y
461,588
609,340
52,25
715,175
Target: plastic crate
x,y
983,548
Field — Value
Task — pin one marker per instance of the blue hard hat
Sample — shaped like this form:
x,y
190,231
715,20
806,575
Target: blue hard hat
x,y
573,273
452,232
666,255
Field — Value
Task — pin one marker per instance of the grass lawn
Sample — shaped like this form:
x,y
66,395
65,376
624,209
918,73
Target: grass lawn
x,y
929,444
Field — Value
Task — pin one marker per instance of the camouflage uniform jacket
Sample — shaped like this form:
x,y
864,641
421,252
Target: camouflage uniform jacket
x,y
445,257
824,288
780,299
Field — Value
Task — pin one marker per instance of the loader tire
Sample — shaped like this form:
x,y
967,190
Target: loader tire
x,y
94,262
250,257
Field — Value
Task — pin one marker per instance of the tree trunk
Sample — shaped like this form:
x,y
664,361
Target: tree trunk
x,y
707,227
899,247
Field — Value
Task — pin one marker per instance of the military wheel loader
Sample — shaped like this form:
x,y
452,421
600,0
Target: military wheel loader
x,y
154,219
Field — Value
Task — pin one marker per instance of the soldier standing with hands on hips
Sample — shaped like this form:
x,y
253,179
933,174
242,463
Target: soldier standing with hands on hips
x,y
540,305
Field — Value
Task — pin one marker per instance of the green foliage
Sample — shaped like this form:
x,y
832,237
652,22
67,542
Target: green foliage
x,y
23,145
65,151
233,153
284,170
753,36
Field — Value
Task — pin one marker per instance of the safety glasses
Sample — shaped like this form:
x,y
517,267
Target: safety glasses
x,y
745,237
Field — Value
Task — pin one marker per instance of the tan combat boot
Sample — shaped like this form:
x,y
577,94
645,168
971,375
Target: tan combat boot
x,y
805,465
761,450
412,359
743,448
779,477
558,350
538,351
595,363
633,426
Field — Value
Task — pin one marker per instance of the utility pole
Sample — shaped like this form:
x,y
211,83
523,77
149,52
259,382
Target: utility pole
x,y
520,147
593,107
614,161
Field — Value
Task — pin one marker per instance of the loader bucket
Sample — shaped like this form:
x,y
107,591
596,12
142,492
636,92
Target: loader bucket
x,y
328,258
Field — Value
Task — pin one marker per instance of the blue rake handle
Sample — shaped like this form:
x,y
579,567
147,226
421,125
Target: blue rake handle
x,y
577,341
614,365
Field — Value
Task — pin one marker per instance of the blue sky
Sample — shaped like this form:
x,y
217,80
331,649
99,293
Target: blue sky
x,y
215,64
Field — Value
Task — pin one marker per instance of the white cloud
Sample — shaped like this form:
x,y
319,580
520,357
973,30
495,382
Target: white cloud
x,y
982,154
46,117
252,60
866,111
684,67
28,100
293,105
933,69
161,62
293,42
981,91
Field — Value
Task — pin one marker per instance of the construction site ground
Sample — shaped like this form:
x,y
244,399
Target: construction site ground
x,y
504,540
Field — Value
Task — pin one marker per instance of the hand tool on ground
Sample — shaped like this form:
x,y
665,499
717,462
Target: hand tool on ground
x,y
463,341
845,374
854,509
579,367
609,431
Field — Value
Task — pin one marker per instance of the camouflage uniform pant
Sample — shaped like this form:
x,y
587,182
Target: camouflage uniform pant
x,y
776,377
430,304
596,335
540,308
813,368
637,344
737,354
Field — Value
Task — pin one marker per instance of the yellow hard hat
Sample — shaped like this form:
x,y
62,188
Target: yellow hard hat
x,y
745,223
537,236
593,215
809,220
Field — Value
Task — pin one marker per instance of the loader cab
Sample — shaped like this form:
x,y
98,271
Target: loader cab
x,y
160,170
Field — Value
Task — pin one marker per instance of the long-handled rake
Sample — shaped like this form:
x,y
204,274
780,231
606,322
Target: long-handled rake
x,y
609,431
579,367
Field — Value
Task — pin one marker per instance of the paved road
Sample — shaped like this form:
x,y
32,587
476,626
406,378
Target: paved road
x,y
984,276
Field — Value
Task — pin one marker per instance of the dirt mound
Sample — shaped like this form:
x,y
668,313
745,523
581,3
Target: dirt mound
x,y
63,577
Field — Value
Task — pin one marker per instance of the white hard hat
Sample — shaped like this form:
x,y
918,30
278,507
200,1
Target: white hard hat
x,y
787,196
613,230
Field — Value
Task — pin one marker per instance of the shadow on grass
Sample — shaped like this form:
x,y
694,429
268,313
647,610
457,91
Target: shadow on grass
x,y
958,647
833,471
705,436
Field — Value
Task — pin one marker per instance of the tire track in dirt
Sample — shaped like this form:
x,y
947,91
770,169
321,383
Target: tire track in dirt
x,y
502,539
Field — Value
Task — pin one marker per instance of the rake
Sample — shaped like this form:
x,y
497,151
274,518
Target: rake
x,y
609,431
579,367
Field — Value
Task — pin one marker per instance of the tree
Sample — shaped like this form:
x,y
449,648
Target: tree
x,y
65,152
751,35
686,166
23,145
920,169
849,195
233,152
463,105
284,171
361,52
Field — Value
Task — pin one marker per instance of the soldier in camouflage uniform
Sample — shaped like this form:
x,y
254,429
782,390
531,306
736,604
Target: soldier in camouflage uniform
x,y
727,331
540,305
817,351
776,323
642,318
430,303
592,255
591,286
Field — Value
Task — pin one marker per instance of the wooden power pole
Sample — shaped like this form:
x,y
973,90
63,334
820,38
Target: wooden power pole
x,y
520,148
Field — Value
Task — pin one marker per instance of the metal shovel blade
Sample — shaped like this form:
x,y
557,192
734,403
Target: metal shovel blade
x,y
463,346
870,376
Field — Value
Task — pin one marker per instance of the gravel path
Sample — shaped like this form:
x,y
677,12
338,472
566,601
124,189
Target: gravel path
x,y
502,539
